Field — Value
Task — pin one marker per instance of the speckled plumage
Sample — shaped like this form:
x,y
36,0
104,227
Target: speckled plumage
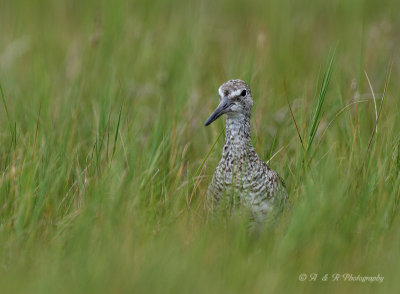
x,y
241,177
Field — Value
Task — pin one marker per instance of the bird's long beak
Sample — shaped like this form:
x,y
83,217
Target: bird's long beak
x,y
222,108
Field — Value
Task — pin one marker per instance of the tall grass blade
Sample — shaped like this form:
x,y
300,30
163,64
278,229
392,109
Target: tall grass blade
x,y
321,98
12,130
117,131
388,73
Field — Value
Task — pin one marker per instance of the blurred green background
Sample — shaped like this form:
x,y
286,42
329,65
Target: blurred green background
x,y
102,144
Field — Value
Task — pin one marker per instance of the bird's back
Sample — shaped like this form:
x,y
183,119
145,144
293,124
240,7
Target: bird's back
x,y
247,182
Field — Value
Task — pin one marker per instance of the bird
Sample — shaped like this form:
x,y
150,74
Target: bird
x,y
242,178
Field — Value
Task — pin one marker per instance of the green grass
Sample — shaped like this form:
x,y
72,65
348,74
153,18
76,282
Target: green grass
x,y
321,98
105,162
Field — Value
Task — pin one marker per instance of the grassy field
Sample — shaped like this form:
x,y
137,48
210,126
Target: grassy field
x,y
102,145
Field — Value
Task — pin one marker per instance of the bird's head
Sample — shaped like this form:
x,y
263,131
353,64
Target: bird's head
x,y
234,99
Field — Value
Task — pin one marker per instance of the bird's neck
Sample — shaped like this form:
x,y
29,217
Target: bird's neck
x,y
237,134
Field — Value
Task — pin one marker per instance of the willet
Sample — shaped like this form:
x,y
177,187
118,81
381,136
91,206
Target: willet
x,y
241,177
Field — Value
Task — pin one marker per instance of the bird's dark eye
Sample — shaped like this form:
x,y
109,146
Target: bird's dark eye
x,y
243,93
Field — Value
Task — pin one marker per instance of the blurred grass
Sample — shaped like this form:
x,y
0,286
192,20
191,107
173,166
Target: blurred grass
x,y
111,199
